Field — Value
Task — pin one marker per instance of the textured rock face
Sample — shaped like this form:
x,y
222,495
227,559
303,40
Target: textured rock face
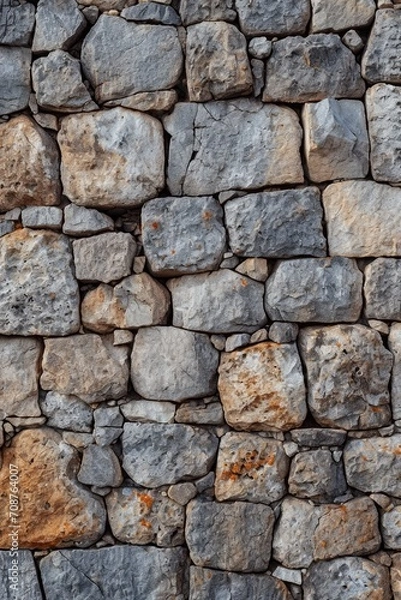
x,y
316,475
100,467
380,59
286,17
111,158
262,388
394,342
383,289
391,528
59,23
28,584
15,77
82,222
66,412
338,15
17,21
207,10
105,257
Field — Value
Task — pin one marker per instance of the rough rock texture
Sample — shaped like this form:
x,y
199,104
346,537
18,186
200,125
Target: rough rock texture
x,y
100,466
391,528
316,475
380,61
15,78
18,573
337,15
206,10
262,388
17,21
59,24
151,12
394,343
155,102
395,575
382,289
66,412
278,17
42,217
106,257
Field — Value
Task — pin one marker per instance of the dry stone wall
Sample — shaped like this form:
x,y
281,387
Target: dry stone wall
x,y
200,299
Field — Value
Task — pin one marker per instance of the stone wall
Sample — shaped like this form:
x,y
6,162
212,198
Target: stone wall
x,y
200,300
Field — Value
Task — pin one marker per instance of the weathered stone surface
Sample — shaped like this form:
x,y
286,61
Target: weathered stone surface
x,y
394,343
277,17
55,511
15,77
59,24
183,235
217,64
121,58
151,12
395,575
207,10
141,516
383,105
283,333
262,388
42,217
146,410
305,532
18,574
363,219
382,289
58,84
104,5
182,493
336,139
391,528
353,41
315,437
80,221
171,364
255,268
339,15
248,131
316,475
348,578
276,224
100,467
218,302
87,366
29,165
213,529
312,68
156,102
348,372
17,21
105,257
111,158
156,454
66,412
118,572
364,459
380,60
200,413
250,467
46,304
323,290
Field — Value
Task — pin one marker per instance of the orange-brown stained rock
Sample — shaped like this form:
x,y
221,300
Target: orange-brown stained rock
x,y
262,387
55,510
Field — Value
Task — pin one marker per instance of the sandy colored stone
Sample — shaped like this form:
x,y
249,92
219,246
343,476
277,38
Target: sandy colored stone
x,y
380,62
338,15
157,102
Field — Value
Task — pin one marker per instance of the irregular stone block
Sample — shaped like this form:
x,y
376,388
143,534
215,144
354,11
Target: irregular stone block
x,y
171,364
151,12
207,10
250,467
219,302
87,366
394,344
312,68
380,60
156,102
252,134
276,224
141,516
66,412
283,333
363,219
212,532
183,235
15,66
348,372
18,574
315,437
336,140
395,575
104,5
59,24
42,217
112,158
382,289
262,388
324,290
157,454
29,165
80,221
391,528
200,413
100,467
338,15
146,410
277,17
105,257
121,58
17,21
316,475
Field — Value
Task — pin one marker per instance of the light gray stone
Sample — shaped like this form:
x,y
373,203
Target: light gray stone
x,y
46,217
207,10
18,572
147,411
382,289
217,302
199,412
171,364
348,372
15,77
183,235
66,412
260,47
338,15
105,436
121,58
353,41
380,61
251,133
391,528
182,493
108,416
122,336
59,24
17,20
283,333
277,17
105,257
151,12
394,343
238,340
157,454
277,224
312,68
100,467
81,222
322,290
213,529
316,475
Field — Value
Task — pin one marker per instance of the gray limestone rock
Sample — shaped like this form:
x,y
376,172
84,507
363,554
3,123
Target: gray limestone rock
x,y
277,17
157,454
314,437
171,364
108,416
348,372
200,413
382,289
105,257
42,217
121,58
66,412
260,47
312,68
322,290
81,222
277,224
151,12
206,10
316,475
249,132
380,61
338,15
15,79
17,20
217,302
391,528
147,410
283,333
105,5
100,467
394,343
18,574
183,235
213,529
59,24
182,493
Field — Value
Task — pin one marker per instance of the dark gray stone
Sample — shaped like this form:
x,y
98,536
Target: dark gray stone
x,y
315,437
207,10
59,24
151,12
15,79
18,578
380,62
100,467
276,17
17,20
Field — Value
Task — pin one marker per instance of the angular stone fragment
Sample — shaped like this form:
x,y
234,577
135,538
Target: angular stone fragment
x,y
312,68
380,62
157,454
121,58
112,158
251,468
395,575
55,511
338,15
336,140
391,528
364,459
141,516
394,343
316,475
382,289
363,219
183,235
171,364
200,413
323,290
18,570
17,21
42,217
146,410
262,388
316,436
219,302
251,133
156,102
151,12
276,224
66,412
213,529
87,366
100,467
80,221
207,10
283,333
277,17
59,24
105,257
15,79
348,372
